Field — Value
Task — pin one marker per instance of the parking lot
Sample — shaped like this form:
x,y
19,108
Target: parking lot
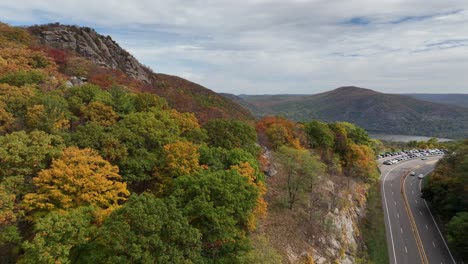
x,y
390,158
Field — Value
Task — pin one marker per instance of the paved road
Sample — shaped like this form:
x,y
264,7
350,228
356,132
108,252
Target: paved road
x,y
401,240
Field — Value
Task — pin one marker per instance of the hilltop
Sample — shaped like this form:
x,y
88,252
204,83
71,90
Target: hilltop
x,y
181,94
376,112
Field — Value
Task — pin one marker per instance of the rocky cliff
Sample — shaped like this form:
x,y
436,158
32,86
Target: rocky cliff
x,y
326,227
181,94
86,42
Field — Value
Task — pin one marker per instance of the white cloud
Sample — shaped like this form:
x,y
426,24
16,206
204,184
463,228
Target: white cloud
x,y
261,46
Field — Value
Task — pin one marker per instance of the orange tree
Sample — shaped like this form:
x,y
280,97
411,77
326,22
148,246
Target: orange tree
x,y
279,131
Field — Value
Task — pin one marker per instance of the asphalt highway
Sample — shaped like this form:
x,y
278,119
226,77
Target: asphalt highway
x,y
412,233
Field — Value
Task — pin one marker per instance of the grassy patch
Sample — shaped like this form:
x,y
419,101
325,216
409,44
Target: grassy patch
x,y
373,228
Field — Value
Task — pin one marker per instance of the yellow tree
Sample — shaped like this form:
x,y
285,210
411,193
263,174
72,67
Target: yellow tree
x,y
100,113
79,177
186,121
361,162
181,158
6,119
260,210
50,120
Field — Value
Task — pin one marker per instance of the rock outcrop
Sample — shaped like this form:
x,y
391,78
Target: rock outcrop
x,y
181,94
86,42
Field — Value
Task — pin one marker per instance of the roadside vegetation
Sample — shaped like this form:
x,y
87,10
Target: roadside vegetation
x,y
373,229
446,192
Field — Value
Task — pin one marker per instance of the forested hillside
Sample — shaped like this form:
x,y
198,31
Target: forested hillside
x,y
376,112
451,99
446,192
99,172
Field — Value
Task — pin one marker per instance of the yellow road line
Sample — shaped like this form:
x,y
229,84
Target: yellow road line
x,y
419,243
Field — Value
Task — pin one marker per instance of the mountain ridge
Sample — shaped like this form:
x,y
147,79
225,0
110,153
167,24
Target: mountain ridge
x,y
375,111
457,99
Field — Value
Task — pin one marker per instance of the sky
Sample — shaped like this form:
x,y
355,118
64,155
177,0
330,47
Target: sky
x,y
274,47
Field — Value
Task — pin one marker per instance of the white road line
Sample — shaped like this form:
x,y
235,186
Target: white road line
x,y
394,202
420,212
406,249
388,214
433,243
412,191
427,227
416,200
398,215
440,233
401,230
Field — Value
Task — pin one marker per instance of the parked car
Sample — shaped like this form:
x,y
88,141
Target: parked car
x,y
424,158
420,176
412,173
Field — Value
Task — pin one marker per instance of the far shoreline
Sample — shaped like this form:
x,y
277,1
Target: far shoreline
x,y
404,138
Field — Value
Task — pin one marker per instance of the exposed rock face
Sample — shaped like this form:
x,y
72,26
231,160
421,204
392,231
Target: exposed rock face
x,y
75,81
341,244
181,94
324,228
269,167
88,43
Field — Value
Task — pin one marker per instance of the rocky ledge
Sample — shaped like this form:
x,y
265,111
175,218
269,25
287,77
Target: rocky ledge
x,y
85,41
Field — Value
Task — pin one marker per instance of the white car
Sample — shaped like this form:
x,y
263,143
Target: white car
x,y
420,176
412,173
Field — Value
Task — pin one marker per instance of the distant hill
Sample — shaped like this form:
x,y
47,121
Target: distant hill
x,y
452,99
183,95
376,112
238,99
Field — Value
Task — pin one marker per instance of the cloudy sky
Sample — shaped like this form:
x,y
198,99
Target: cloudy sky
x,y
270,47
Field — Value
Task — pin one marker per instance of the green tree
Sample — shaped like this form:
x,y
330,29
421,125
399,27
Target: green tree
x,y
219,205
320,135
123,102
59,236
446,188
23,155
302,171
145,101
85,94
356,134
92,135
21,78
457,231
145,230
231,134
223,159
